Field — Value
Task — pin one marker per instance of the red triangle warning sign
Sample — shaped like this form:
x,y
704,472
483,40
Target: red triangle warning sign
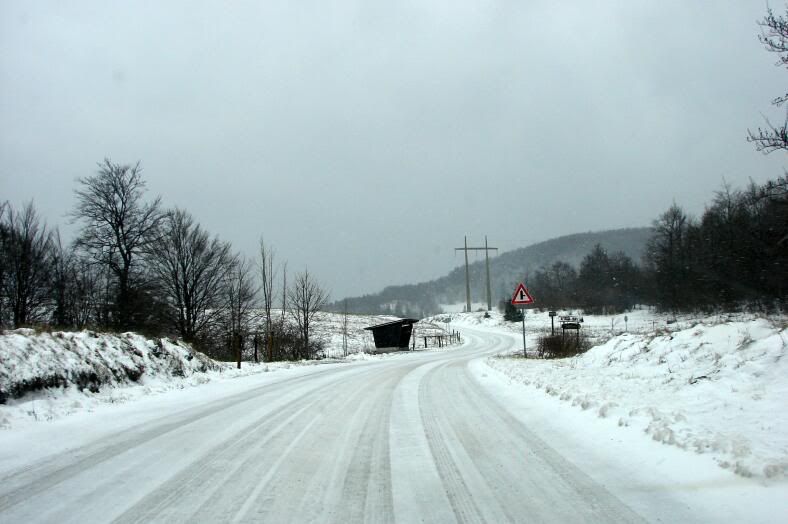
x,y
521,296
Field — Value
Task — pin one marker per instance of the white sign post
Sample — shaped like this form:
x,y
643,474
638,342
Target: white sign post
x,y
522,298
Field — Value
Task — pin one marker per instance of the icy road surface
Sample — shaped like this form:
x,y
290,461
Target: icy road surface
x,y
413,438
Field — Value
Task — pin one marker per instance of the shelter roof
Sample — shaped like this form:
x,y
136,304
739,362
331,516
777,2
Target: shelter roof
x,y
394,323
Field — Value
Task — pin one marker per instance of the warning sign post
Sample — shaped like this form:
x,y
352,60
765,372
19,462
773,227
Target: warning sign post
x,y
522,298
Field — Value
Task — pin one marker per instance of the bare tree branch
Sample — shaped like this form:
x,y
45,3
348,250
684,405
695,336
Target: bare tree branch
x,y
770,138
774,37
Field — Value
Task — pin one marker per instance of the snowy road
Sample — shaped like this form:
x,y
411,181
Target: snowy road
x,y
406,439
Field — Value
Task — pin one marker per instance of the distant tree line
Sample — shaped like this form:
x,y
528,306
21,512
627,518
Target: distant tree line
x,y
604,283
734,255
136,266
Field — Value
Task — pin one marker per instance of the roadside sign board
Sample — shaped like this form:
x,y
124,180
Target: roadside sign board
x,y
521,296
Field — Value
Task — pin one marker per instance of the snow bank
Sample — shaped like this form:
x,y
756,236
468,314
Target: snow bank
x,y
717,389
47,376
88,360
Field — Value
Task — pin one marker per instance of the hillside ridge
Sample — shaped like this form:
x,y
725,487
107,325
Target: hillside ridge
x,y
425,298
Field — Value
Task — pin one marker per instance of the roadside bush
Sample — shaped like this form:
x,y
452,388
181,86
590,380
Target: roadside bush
x,y
563,346
511,313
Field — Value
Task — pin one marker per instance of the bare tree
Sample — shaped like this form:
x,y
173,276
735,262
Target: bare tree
x,y
668,257
241,294
5,235
281,328
117,226
306,299
774,37
75,283
86,302
267,276
284,295
190,270
345,323
27,253
62,280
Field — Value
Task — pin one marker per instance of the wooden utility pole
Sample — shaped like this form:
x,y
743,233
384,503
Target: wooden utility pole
x,y
467,280
486,250
487,266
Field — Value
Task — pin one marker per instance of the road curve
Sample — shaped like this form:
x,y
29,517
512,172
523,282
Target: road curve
x,y
407,439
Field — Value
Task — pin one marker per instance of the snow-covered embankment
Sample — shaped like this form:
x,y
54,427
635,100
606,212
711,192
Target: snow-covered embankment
x,y
719,389
89,360
61,370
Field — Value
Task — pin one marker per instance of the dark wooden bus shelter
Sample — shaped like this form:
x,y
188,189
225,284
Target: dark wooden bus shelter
x,y
393,336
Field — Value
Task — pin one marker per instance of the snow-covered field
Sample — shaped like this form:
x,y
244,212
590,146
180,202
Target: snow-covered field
x,y
328,328
716,386
459,307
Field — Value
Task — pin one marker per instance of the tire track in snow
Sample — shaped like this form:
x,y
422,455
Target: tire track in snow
x,y
548,476
199,484
366,490
468,491
493,468
204,477
417,489
25,484
314,461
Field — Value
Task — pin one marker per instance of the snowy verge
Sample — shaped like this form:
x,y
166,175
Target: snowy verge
x,y
662,483
32,361
46,376
717,390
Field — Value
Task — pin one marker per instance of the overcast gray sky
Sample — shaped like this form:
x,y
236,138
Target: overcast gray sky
x,y
364,138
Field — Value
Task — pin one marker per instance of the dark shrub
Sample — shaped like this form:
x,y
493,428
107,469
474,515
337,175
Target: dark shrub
x,y
563,345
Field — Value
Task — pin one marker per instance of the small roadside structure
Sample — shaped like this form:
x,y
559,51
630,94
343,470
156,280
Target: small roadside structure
x,y
392,336
570,322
